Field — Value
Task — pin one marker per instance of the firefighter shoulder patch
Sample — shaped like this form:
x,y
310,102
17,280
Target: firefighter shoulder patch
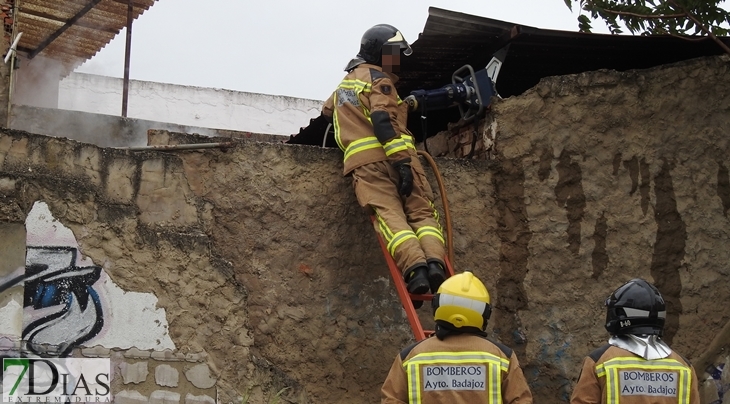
x,y
385,89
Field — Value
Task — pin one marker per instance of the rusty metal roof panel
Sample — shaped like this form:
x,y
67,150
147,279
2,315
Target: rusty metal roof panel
x,y
71,31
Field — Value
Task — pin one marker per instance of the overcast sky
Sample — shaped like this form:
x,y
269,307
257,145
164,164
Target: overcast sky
x,y
284,47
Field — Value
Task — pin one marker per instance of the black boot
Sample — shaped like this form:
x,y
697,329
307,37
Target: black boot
x,y
436,276
417,283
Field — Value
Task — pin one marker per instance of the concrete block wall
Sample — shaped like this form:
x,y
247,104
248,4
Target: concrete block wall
x,y
155,377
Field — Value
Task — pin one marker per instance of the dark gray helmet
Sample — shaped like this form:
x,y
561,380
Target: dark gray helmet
x,y
372,42
636,308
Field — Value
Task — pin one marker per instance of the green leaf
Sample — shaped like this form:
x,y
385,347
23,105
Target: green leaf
x,y
584,23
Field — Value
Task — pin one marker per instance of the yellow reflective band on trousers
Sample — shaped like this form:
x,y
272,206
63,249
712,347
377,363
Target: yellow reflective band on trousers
x,y
393,240
495,364
610,369
430,231
436,216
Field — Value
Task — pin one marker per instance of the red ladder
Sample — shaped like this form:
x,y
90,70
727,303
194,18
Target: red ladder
x,y
406,298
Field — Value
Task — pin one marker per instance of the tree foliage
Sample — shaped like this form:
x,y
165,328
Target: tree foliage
x,y
683,18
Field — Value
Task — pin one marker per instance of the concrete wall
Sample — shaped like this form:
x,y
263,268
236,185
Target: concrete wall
x,y
107,130
258,265
186,105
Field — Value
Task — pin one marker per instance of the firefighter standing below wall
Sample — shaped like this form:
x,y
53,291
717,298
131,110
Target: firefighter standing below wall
x,y
369,120
636,366
458,365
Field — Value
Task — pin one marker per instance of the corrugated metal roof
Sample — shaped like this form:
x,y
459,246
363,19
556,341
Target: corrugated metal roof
x,y
450,40
71,31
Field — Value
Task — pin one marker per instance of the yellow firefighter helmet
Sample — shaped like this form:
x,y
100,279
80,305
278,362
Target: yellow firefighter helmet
x,y
462,301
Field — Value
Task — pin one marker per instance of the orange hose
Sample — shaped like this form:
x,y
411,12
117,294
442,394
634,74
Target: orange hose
x,y
445,202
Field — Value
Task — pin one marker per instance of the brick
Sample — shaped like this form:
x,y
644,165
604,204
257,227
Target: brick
x,y
438,145
137,353
164,397
96,352
166,376
129,397
134,372
196,357
200,377
167,355
204,399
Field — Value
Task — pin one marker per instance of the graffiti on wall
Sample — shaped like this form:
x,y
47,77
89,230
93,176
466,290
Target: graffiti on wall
x,y
68,301
63,294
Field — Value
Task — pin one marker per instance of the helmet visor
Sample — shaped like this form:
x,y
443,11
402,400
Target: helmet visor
x,y
401,42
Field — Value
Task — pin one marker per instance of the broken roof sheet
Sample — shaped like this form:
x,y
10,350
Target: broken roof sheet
x,y
71,31
451,40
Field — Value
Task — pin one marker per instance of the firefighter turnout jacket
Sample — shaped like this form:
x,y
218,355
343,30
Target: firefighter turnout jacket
x,y
613,375
370,128
461,369
369,118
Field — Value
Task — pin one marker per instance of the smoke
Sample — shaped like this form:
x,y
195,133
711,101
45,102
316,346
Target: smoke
x,y
36,82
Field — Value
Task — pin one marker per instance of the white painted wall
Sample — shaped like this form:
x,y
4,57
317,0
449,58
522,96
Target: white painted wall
x,y
186,105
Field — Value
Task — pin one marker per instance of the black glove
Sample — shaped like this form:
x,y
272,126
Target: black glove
x,y
405,183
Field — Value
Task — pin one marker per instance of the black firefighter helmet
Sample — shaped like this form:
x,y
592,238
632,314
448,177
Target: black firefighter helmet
x,y
371,44
636,308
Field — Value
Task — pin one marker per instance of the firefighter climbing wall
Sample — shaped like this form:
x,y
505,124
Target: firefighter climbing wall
x,y
270,278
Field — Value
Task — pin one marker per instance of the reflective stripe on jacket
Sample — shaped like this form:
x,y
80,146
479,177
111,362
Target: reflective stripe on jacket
x,y
460,369
613,375
369,118
482,371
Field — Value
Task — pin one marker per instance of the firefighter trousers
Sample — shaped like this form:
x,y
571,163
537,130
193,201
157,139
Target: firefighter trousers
x,y
410,226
